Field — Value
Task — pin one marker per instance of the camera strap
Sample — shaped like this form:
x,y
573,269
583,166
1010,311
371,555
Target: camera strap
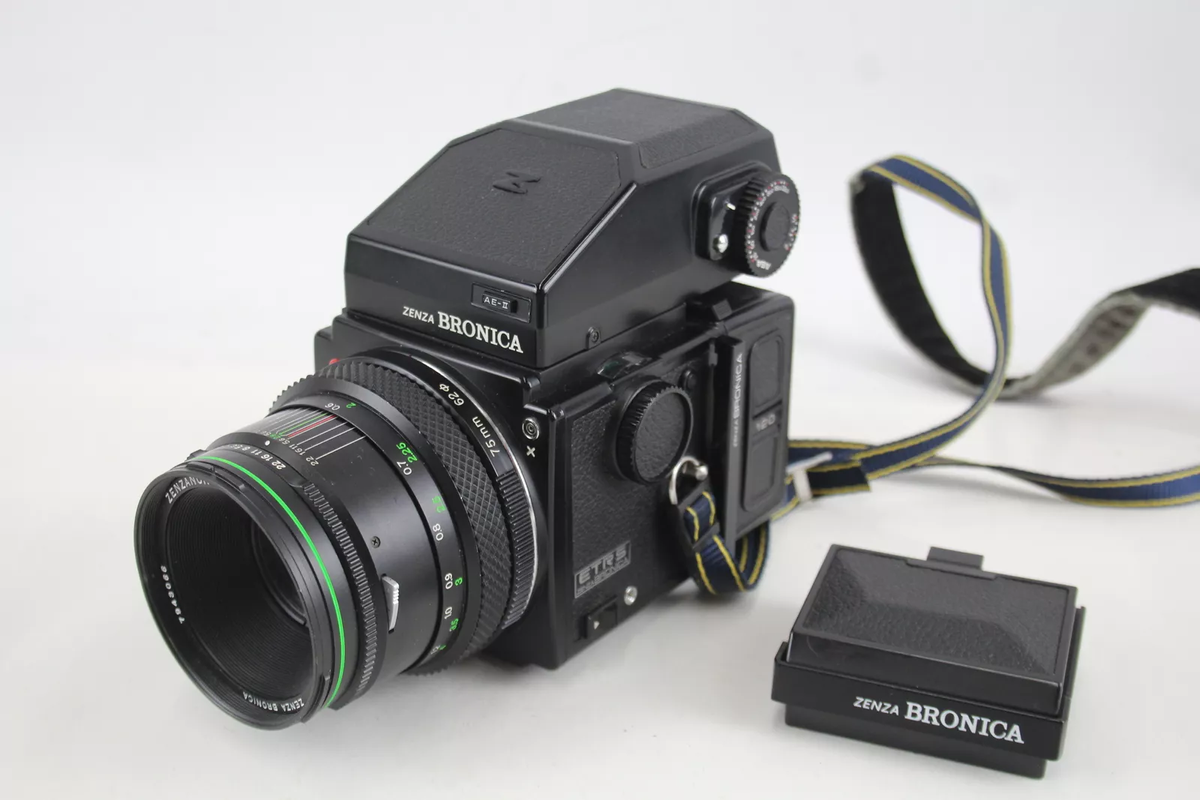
x,y
819,468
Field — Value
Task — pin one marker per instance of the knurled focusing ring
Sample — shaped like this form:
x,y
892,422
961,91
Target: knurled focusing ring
x,y
512,488
478,459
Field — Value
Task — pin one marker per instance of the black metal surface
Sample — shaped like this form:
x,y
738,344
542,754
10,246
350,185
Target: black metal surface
x,y
581,215
936,656
664,129
472,200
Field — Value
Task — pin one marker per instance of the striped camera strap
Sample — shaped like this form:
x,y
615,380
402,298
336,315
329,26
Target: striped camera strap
x,y
818,468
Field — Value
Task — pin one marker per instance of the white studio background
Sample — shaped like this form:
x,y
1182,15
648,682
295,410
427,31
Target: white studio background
x,y
176,182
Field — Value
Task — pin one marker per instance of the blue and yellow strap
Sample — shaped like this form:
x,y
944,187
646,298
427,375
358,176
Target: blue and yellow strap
x,y
716,567
894,275
851,466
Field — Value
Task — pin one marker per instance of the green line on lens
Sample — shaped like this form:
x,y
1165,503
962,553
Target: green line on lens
x,y
328,581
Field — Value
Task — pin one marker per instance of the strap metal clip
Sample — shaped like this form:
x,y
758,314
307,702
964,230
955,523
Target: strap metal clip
x,y
694,532
694,468
799,474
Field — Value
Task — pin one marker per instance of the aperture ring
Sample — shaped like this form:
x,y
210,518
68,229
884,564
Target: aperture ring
x,y
286,428
443,516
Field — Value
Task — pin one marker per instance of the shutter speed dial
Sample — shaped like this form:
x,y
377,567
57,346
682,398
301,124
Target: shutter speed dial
x,y
654,432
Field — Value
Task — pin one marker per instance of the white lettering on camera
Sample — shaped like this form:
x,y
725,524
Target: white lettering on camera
x,y
966,723
477,330
735,437
170,590
418,314
876,705
285,707
178,487
946,718
764,422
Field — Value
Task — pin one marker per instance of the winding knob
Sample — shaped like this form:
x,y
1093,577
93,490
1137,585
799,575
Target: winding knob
x,y
768,219
654,432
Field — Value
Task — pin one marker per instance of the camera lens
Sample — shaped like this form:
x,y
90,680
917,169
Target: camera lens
x,y
244,608
375,522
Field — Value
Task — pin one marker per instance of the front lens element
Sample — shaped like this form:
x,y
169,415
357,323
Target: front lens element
x,y
248,601
243,608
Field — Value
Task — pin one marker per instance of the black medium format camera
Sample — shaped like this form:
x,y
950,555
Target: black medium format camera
x,y
541,329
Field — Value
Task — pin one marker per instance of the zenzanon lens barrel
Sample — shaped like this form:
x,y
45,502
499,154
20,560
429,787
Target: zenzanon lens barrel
x,y
374,522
